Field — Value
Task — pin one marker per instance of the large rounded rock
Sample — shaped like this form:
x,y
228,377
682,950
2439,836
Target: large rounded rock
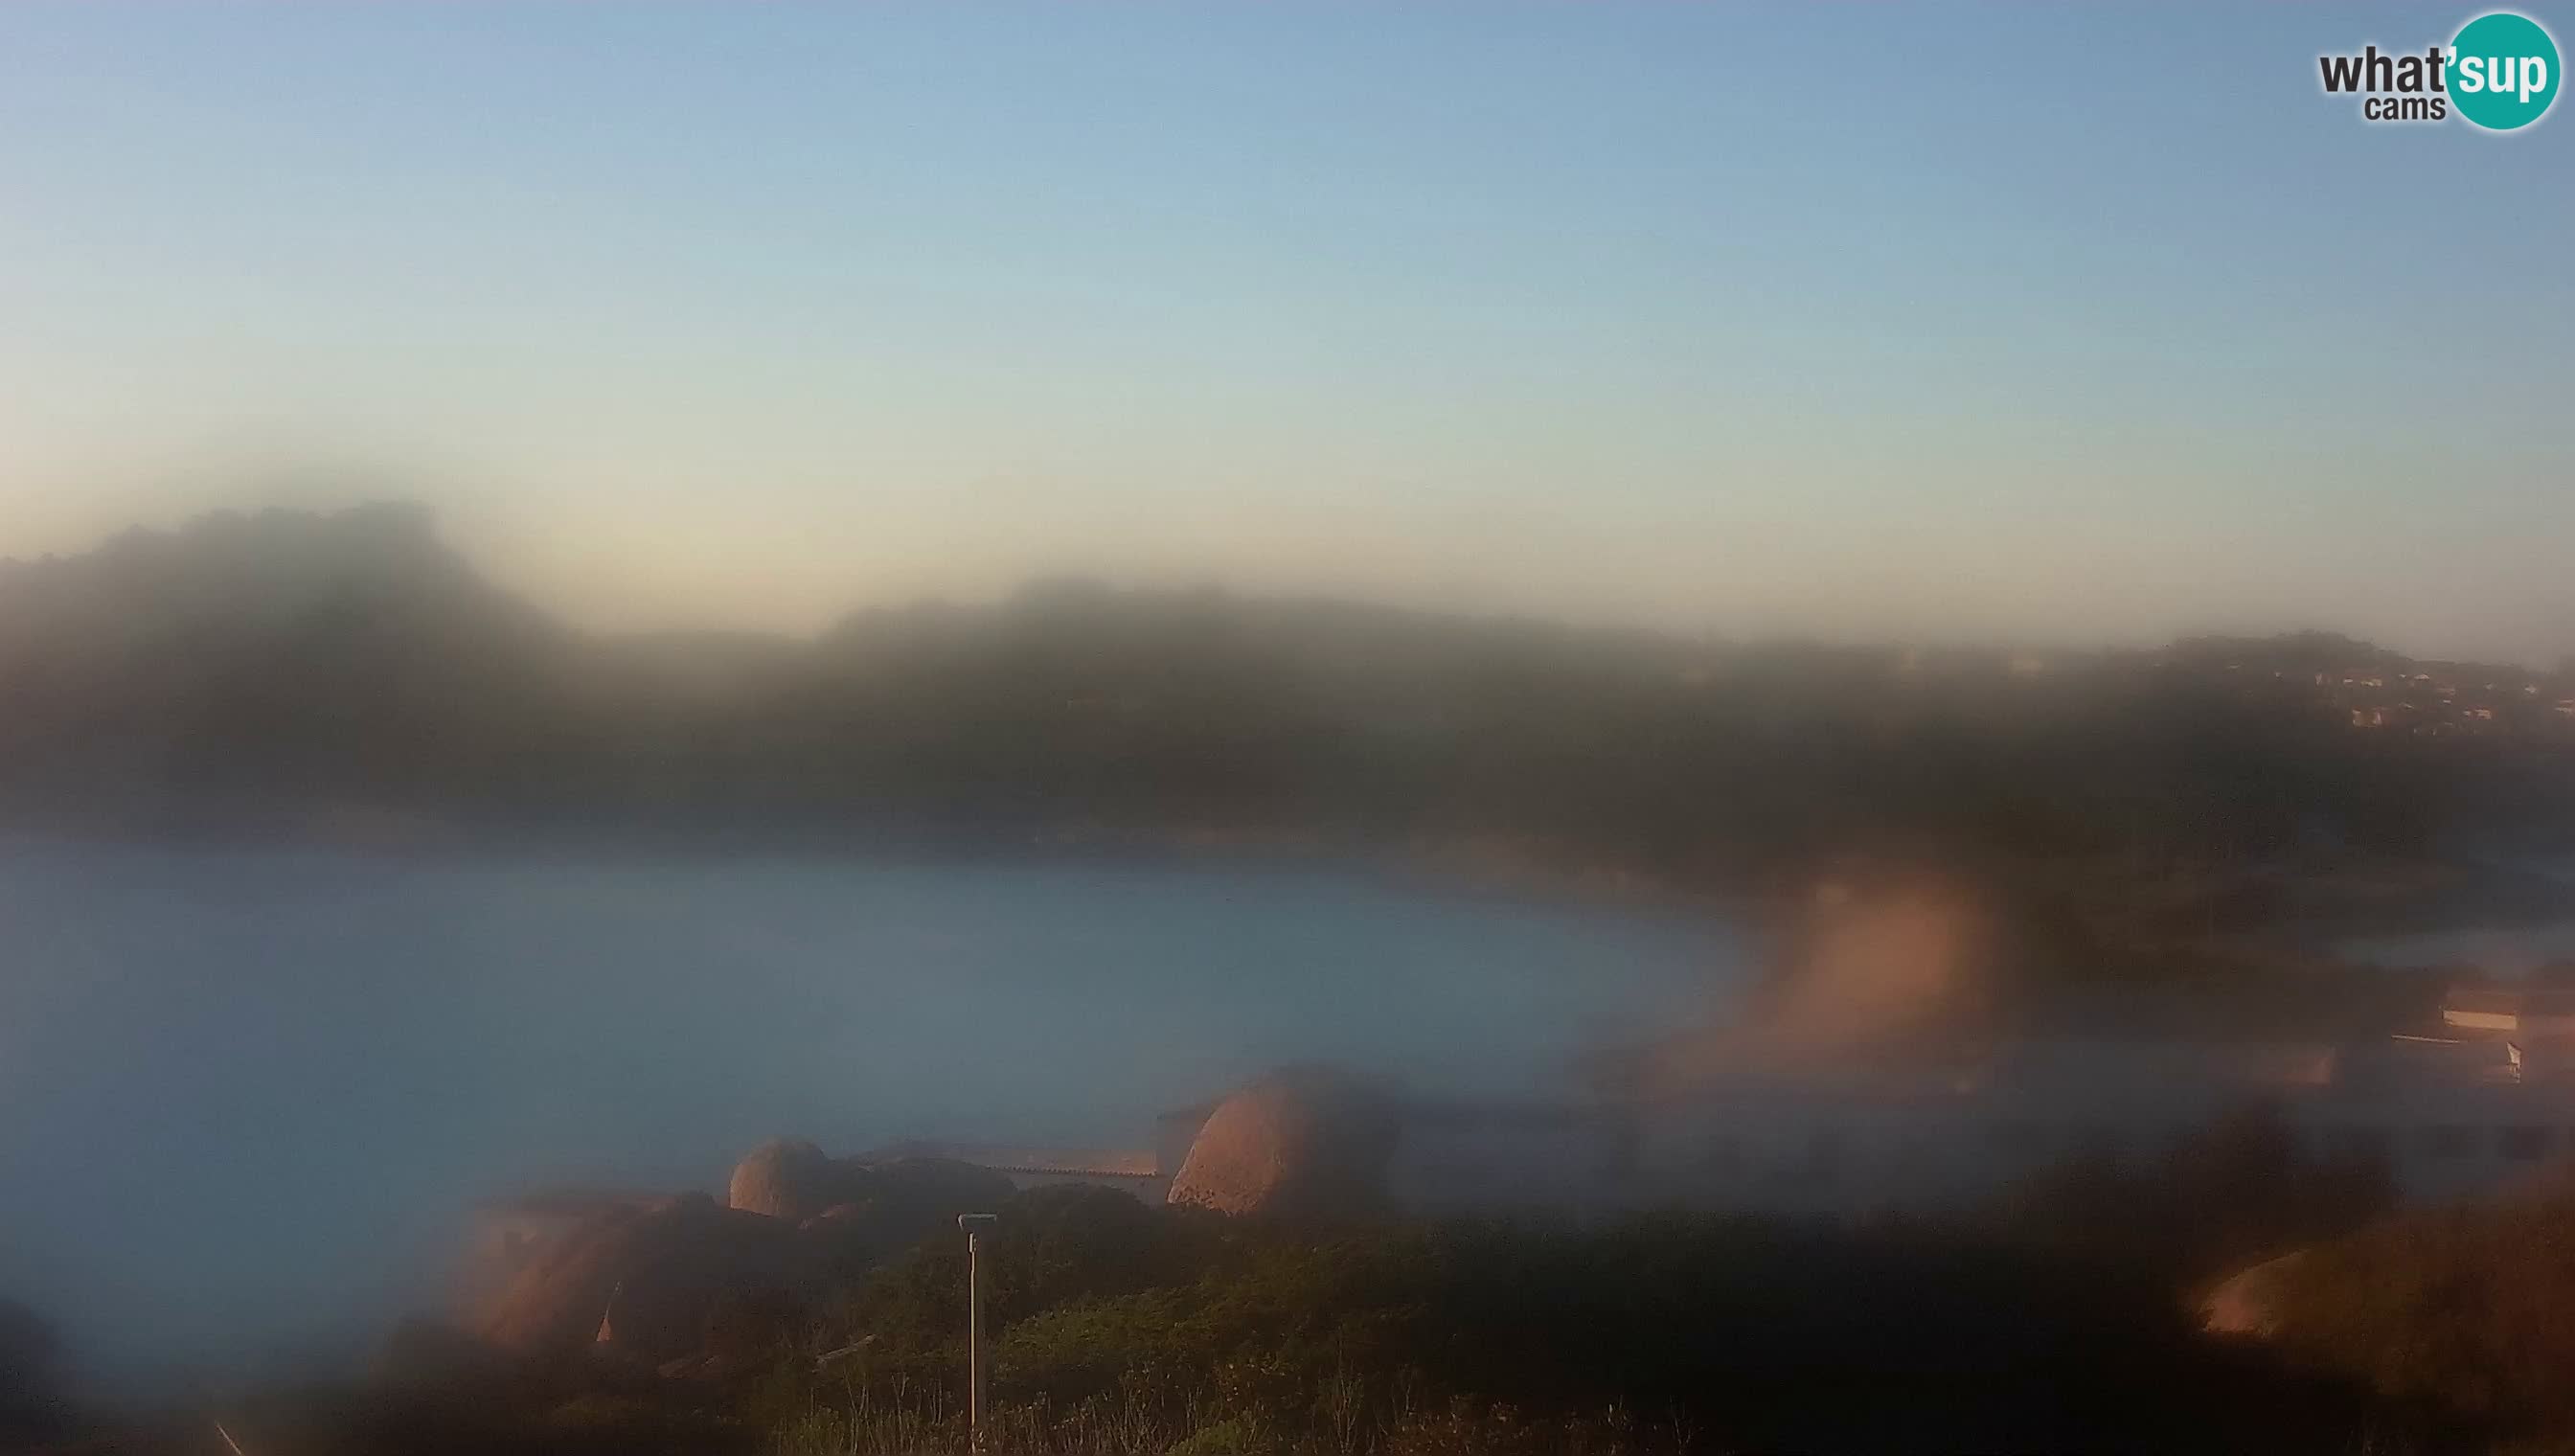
x,y
646,1278
1307,1143
786,1177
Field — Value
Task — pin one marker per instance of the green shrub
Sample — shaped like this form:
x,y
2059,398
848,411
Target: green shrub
x,y
1501,1337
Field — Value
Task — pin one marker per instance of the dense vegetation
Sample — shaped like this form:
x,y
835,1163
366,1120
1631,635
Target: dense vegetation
x,y
2062,1320
1146,1331
1671,1333
276,670
2463,1307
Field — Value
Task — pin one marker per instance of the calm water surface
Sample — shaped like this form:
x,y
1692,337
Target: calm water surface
x,y
2498,951
244,1097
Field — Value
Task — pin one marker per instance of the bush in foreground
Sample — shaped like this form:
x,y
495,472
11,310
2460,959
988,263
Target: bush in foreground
x,y
1127,1329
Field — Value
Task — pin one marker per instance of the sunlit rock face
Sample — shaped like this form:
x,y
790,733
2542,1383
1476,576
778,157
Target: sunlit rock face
x,y
2247,1302
651,1280
785,1177
1883,970
643,1281
1305,1142
1893,976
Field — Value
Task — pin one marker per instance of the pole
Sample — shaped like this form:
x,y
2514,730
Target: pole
x,y
974,1333
975,1224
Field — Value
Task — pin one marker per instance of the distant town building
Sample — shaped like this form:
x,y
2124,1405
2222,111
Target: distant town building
x,y
2529,1014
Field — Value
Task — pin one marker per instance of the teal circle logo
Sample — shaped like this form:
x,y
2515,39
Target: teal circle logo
x,y
2503,71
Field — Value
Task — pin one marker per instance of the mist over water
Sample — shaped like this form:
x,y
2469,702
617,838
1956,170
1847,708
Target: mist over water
x,y
251,1094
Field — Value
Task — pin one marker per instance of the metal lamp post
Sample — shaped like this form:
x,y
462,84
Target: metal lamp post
x,y
975,1225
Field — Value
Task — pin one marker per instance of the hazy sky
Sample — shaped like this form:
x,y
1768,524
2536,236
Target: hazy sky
x,y
2036,320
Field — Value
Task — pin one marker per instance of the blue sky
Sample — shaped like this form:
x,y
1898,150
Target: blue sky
x,y
2050,323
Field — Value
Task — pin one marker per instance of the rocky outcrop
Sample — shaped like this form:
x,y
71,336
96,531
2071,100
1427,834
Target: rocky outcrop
x,y
785,1177
1305,1142
658,1280
643,1282
1878,971
2247,1302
